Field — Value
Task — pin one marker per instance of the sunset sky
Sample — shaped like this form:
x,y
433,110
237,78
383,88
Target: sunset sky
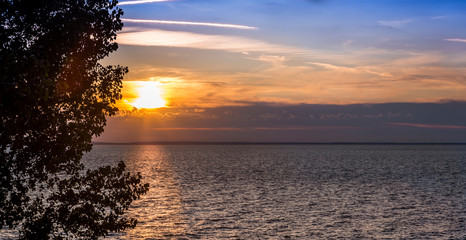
x,y
292,70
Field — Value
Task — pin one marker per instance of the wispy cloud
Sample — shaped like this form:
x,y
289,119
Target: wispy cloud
x,y
334,67
351,70
250,128
141,2
438,17
419,125
395,23
455,40
198,129
163,38
208,24
305,128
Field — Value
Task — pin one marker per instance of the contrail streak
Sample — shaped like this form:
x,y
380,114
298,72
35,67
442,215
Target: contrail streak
x,y
455,40
223,25
141,2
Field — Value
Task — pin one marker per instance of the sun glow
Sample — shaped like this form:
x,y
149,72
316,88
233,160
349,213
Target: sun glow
x,y
149,95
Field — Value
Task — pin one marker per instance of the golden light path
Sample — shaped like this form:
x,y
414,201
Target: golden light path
x,y
149,95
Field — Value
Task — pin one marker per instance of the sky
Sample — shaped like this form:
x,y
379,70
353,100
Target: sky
x,y
291,71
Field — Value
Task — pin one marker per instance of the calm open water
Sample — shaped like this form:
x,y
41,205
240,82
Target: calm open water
x,y
295,191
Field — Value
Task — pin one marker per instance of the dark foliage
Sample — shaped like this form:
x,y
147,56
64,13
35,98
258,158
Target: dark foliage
x,y
54,98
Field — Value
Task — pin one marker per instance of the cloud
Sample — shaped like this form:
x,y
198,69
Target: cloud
x,y
305,128
395,23
334,67
439,17
272,116
163,38
141,2
196,129
388,122
248,128
419,125
350,70
279,77
208,24
463,40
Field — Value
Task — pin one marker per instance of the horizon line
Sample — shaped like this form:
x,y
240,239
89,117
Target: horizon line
x,y
273,143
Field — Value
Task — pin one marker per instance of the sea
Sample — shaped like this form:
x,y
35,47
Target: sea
x,y
299,191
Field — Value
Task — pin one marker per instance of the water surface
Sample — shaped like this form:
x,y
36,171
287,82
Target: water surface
x,y
295,191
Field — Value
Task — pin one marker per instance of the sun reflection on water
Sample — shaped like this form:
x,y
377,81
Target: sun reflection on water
x,y
159,212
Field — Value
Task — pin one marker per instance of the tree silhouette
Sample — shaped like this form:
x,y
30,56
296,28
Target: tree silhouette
x,y
54,98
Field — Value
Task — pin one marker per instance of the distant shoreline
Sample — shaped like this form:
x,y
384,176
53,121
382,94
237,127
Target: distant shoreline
x,y
278,143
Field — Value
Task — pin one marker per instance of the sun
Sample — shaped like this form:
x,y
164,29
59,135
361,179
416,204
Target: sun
x,y
149,95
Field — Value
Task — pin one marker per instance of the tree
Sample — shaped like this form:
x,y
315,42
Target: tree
x,y
54,98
